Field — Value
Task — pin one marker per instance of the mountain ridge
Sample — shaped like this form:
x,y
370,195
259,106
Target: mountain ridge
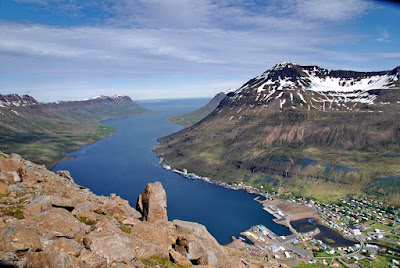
x,y
44,132
309,147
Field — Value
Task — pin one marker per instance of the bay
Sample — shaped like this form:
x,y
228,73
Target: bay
x,y
124,163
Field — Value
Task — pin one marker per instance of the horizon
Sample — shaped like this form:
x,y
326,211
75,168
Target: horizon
x,y
61,50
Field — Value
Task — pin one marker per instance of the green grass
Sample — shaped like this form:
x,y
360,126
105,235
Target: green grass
x,y
379,262
381,227
16,211
156,261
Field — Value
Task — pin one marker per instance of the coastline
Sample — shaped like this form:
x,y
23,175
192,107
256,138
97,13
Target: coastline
x,y
52,165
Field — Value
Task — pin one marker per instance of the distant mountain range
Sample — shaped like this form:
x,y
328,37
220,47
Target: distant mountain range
x,y
44,132
316,132
191,118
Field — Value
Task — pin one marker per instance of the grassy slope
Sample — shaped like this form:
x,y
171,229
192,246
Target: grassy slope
x,y
263,145
45,133
192,118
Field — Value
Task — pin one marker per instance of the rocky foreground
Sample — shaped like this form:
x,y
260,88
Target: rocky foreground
x,y
46,220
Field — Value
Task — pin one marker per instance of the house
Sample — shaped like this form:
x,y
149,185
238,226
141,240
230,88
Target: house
x,y
332,251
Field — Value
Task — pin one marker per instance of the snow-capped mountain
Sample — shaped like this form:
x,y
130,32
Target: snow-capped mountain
x,y
314,87
15,100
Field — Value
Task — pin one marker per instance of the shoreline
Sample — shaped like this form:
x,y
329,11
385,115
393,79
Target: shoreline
x,y
66,158
287,212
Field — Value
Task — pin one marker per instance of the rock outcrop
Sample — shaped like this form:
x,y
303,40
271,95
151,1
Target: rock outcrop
x,y
153,203
46,220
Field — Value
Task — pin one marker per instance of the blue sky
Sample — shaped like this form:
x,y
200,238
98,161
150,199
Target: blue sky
x,y
151,49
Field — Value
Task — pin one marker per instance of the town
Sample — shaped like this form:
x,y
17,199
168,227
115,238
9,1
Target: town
x,y
353,232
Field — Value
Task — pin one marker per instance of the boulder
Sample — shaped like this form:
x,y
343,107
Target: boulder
x,y
65,174
91,260
152,204
178,258
107,225
119,200
4,188
38,205
197,244
112,247
115,210
62,244
17,237
51,259
58,223
16,177
150,240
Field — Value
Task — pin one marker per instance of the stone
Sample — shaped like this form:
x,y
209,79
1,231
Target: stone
x,y
65,174
85,207
67,203
17,178
107,225
138,264
152,204
129,221
112,247
16,237
68,246
58,223
193,228
51,259
38,205
116,210
150,240
120,201
197,244
178,258
91,260
4,188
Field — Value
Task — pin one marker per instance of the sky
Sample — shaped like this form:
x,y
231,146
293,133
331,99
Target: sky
x,y
155,49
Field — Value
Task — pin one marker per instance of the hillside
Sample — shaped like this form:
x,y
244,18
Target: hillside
x,y
45,132
192,118
46,220
318,133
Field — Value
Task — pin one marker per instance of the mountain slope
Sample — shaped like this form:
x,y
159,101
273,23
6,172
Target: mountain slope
x,y
44,132
191,118
319,133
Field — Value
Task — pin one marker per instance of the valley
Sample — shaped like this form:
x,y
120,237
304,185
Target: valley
x,y
45,132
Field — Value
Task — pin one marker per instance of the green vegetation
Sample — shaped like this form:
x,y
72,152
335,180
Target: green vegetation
x,y
125,229
86,220
326,164
16,211
156,261
381,227
379,262
192,118
44,133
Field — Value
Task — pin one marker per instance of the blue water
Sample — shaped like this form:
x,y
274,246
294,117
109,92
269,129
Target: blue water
x,y
124,163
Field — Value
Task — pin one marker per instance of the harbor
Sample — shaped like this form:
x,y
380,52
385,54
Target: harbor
x,y
316,237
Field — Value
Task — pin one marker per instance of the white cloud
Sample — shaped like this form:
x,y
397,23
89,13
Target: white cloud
x,y
337,10
146,44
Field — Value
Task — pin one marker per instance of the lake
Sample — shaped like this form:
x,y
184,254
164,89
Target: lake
x,y
124,163
327,235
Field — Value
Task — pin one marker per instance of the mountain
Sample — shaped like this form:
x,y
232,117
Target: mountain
x,y
191,118
315,132
46,220
44,132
